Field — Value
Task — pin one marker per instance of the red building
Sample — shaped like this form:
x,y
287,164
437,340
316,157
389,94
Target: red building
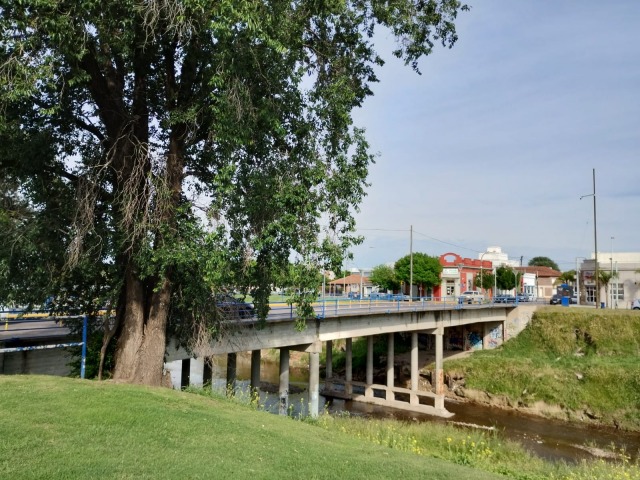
x,y
458,274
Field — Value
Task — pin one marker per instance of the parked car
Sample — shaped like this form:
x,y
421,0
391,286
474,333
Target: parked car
x,y
557,299
635,305
401,297
381,296
504,299
471,296
233,308
523,297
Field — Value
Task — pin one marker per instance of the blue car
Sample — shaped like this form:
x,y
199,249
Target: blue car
x,y
504,299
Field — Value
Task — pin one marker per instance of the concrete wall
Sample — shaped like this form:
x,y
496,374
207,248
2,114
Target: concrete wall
x,y
517,320
36,362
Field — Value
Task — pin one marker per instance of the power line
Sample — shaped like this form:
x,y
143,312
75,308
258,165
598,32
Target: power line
x,y
448,243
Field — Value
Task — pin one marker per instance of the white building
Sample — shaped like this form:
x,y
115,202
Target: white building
x,y
498,258
623,289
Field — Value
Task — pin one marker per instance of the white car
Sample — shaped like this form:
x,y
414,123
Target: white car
x,y
471,296
635,305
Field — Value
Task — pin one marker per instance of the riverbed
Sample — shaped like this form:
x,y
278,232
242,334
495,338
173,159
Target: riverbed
x,y
547,438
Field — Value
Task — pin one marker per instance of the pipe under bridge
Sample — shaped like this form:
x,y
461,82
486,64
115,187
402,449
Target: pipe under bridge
x,y
463,328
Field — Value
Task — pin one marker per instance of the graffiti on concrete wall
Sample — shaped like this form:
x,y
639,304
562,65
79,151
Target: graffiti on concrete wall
x,y
473,340
495,336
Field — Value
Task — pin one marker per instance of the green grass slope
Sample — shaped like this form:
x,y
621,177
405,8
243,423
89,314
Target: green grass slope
x,y
52,427
585,361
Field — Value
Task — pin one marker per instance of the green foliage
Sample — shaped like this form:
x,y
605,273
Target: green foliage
x,y
153,153
574,358
384,276
543,262
506,278
359,354
485,280
426,270
568,277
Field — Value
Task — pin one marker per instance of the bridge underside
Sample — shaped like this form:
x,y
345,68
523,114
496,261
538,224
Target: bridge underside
x,y
462,333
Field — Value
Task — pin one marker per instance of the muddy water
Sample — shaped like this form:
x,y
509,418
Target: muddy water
x,y
548,439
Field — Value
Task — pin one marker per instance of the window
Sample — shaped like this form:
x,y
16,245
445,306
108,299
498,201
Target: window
x,y
450,288
617,291
591,294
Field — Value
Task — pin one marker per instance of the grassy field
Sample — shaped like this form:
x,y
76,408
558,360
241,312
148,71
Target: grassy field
x,y
52,427
582,360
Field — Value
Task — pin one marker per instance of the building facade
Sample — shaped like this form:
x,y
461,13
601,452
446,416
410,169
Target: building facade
x,y
622,289
458,274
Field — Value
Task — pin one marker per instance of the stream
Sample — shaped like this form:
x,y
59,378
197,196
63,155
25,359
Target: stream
x,y
547,438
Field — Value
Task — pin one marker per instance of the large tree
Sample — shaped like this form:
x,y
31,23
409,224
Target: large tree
x,y
384,276
485,280
543,262
160,150
506,278
426,270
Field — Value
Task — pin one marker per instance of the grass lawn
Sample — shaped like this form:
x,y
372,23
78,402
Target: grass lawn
x,y
579,359
52,427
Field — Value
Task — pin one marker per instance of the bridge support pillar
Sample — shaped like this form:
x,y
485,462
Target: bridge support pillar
x,y
283,390
314,383
413,398
196,374
231,374
439,380
369,380
329,364
390,397
255,374
348,368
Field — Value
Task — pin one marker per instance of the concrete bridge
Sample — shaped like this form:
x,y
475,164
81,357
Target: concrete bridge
x,y
455,327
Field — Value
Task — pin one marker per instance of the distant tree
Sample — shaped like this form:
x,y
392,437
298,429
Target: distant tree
x,y
568,277
384,276
543,262
506,278
484,280
426,270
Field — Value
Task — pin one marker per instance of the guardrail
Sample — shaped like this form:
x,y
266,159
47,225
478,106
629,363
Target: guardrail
x,y
40,325
332,306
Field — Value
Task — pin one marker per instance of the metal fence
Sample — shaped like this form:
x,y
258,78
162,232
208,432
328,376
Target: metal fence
x,y
38,328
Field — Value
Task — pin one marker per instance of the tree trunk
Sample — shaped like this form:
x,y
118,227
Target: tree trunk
x,y
141,345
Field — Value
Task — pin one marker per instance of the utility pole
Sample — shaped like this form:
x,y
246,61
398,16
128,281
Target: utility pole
x,y
411,265
595,239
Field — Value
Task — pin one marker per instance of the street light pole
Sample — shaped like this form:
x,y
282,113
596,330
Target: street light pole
x,y
411,265
611,270
482,272
595,238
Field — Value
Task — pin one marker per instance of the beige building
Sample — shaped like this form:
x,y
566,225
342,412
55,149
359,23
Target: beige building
x,y
622,290
539,281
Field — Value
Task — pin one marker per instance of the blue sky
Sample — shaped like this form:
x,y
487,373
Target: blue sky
x,y
496,141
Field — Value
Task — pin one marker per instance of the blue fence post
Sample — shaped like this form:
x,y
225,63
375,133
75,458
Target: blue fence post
x,y
83,362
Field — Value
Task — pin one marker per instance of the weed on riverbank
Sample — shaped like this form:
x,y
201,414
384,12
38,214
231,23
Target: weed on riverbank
x,y
584,361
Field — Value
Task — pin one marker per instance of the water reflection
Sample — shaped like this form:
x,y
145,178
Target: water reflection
x,y
548,439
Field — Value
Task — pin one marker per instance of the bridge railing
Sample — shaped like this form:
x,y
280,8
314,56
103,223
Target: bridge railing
x,y
333,307
20,327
